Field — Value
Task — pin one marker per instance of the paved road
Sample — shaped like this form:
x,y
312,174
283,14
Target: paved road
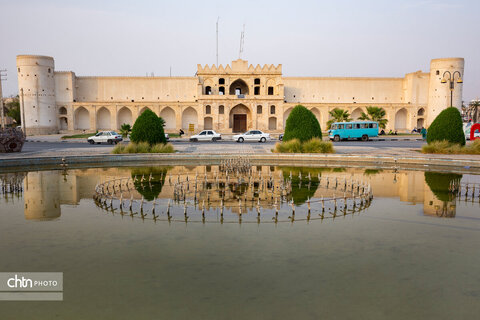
x,y
52,146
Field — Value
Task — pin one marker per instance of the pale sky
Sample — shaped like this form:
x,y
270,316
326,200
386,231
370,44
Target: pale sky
x,y
309,38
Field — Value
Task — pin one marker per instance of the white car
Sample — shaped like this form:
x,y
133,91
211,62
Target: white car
x,y
206,135
252,135
110,137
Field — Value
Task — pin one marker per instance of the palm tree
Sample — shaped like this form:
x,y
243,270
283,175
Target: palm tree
x,y
375,114
338,115
125,129
472,110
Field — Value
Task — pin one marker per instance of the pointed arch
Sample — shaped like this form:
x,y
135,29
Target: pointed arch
x,y
401,119
81,119
317,114
238,87
357,113
103,119
168,115
240,118
124,116
143,109
286,113
189,116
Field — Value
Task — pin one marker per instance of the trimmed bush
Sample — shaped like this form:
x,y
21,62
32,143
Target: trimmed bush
x,y
148,128
440,182
302,125
447,126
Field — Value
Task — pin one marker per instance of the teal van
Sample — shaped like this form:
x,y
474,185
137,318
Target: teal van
x,y
361,130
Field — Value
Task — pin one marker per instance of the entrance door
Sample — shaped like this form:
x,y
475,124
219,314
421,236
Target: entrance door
x,y
239,122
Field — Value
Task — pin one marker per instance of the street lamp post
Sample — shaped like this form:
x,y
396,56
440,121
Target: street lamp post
x,y
451,80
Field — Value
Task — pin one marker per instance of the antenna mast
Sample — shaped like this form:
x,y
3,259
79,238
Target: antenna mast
x,y
242,38
217,39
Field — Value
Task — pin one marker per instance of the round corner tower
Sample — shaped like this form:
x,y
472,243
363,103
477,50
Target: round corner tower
x,y
37,79
442,73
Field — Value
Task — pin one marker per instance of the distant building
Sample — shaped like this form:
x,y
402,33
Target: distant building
x,y
227,99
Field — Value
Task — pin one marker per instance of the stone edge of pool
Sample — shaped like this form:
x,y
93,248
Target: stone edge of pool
x,y
291,158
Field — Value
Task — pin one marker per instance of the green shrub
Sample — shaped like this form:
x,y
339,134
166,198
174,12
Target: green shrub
x,y
148,128
447,126
150,189
302,124
118,149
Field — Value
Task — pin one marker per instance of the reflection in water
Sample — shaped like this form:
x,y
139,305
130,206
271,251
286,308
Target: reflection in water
x,y
44,192
441,201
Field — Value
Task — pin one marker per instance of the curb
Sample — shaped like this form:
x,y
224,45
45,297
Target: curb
x,y
296,159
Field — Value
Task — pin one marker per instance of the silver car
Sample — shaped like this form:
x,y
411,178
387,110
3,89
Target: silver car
x,y
252,135
206,135
109,137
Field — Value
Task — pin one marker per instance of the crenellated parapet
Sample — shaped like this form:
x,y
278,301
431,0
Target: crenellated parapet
x,y
240,67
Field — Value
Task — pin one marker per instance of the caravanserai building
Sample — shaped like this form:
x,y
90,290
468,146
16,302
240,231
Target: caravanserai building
x,y
234,98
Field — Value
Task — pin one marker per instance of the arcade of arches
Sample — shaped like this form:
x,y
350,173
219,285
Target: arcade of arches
x,y
224,117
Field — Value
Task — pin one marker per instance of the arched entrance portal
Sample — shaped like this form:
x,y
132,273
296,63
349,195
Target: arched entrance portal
x,y
401,119
420,123
81,119
239,118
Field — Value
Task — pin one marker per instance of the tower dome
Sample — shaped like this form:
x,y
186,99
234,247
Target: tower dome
x,y
37,79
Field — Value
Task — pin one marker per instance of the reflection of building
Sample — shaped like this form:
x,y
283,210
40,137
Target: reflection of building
x,y
45,191
228,99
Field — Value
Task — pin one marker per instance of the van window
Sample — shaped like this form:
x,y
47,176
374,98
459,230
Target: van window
x,y
362,125
356,125
374,125
340,126
349,126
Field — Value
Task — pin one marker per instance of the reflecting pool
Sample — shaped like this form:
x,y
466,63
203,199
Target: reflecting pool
x,y
195,242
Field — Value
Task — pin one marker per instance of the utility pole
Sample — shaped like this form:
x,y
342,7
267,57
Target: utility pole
x,y
217,40
2,112
242,38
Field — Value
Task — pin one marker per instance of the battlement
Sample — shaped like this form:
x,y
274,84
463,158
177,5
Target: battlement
x,y
240,67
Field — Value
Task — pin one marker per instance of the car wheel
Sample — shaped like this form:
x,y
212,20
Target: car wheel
x,y
240,140
336,138
214,139
109,141
364,137
263,139
91,141
194,140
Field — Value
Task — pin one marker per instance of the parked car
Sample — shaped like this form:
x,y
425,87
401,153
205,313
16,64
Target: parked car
x,y
206,135
110,137
252,135
280,137
167,137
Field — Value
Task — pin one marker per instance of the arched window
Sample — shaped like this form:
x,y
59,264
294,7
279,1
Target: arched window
x,y
221,91
272,109
221,109
259,109
270,91
208,90
208,109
